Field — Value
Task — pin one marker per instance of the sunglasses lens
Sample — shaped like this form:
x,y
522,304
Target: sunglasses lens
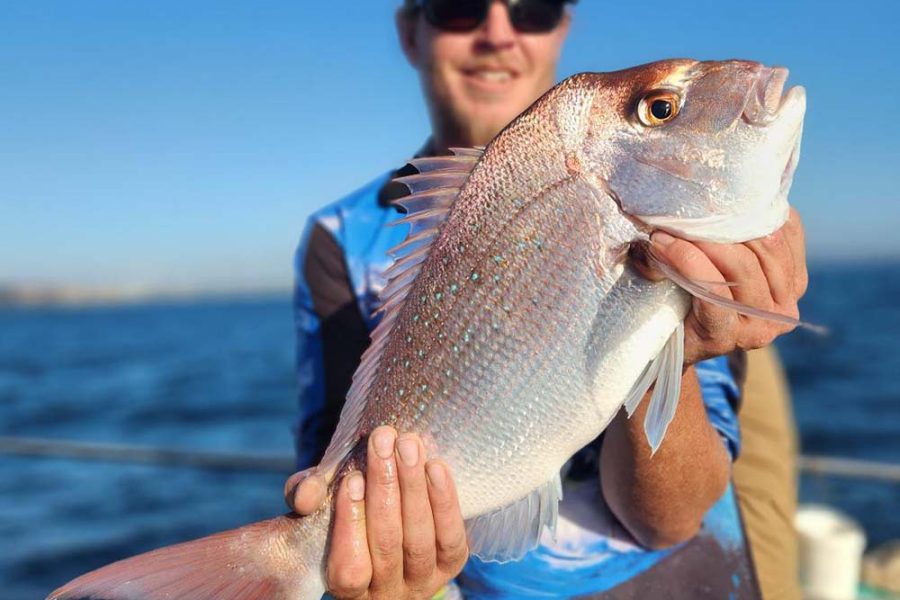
x,y
527,16
456,15
535,16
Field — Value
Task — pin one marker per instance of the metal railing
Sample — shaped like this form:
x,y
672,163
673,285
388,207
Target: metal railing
x,y
234,461
148,455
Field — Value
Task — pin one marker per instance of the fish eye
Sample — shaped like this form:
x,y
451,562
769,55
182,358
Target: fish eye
x,y
659,107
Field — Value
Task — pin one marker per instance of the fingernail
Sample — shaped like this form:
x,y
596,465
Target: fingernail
x,y
661,238
408,448
437,475
356,486
383,440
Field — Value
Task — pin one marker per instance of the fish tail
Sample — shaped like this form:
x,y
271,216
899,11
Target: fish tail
x,y
276,559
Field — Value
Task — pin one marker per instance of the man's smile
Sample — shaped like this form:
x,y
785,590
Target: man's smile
x,y
489,78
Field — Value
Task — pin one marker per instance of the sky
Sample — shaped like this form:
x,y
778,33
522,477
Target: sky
x,y
182,144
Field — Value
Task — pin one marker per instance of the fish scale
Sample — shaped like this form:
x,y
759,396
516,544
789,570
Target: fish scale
x,y
553,272
514,328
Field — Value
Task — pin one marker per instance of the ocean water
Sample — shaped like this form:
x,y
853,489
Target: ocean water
x,y
219,376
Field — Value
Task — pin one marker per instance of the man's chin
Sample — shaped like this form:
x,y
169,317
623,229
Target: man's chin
x,y
484,120
481,131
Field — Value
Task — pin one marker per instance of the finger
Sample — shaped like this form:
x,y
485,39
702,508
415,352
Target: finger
x,y
706,322
639,260
348,569
290,486
418,524
796,239
384,521
450,531
308,495
739,265
689,260
777,263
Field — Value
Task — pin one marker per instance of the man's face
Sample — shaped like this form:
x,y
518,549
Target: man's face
x,y
476,82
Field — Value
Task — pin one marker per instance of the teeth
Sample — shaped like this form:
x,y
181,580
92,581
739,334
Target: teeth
x,y
496,76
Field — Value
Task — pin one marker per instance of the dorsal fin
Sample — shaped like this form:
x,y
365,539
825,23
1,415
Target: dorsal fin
x,y
435,179
462,163
436,198
433,192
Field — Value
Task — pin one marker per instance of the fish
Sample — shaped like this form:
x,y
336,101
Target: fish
x,y
514,323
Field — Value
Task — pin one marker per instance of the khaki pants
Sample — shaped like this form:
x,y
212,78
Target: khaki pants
x,y
765,475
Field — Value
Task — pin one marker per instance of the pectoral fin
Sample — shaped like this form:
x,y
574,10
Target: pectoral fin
x,y
700,289
665,396
665,370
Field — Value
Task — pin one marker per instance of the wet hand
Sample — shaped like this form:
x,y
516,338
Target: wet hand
x,y
398,531
767,273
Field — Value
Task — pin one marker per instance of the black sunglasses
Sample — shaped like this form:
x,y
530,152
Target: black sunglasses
x,y
526,16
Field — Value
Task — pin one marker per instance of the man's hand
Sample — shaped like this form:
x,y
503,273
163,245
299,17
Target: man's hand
x,y
768,273
398,531
661,499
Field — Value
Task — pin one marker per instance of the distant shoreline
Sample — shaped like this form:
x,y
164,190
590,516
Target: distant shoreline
x,y
41,297
35,296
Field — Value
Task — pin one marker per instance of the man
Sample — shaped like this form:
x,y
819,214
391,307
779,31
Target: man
x,y
398,532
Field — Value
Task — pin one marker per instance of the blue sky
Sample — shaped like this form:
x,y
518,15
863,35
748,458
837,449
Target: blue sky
x,y
183,143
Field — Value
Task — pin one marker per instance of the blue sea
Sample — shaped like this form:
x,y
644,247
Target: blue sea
x,y
218,376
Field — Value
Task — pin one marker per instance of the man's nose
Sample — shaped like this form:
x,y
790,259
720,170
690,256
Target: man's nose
x,y
497,31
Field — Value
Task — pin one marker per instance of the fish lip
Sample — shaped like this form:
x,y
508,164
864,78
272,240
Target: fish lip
x,y
790,167
767,98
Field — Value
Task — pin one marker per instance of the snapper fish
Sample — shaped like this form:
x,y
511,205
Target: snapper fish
x,y
514,327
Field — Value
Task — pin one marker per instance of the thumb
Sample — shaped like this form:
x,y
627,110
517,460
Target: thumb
x,y
304,491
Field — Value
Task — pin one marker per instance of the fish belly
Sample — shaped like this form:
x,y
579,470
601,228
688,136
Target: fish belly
x,y
538,410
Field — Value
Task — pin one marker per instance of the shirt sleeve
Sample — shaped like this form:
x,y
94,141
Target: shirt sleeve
x,y
720,397
331,337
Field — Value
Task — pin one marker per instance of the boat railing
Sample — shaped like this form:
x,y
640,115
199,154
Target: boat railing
x,y
243,461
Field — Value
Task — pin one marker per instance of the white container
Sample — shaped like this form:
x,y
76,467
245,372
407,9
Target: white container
x,y
831,546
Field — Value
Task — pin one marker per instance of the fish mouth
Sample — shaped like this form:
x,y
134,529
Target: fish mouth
x,y
767,98
768,103
787,176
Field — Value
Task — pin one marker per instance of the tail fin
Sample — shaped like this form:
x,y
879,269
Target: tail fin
x,y
276,559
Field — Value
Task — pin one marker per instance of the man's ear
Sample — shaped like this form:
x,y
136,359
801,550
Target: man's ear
x,y
406,33
565,25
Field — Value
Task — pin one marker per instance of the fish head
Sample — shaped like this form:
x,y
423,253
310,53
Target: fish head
x,y
704,150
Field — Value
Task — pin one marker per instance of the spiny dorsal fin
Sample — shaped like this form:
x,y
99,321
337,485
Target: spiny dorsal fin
x,y
433,192
463,162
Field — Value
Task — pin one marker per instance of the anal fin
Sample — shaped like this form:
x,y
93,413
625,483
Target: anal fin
x,y
508,533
